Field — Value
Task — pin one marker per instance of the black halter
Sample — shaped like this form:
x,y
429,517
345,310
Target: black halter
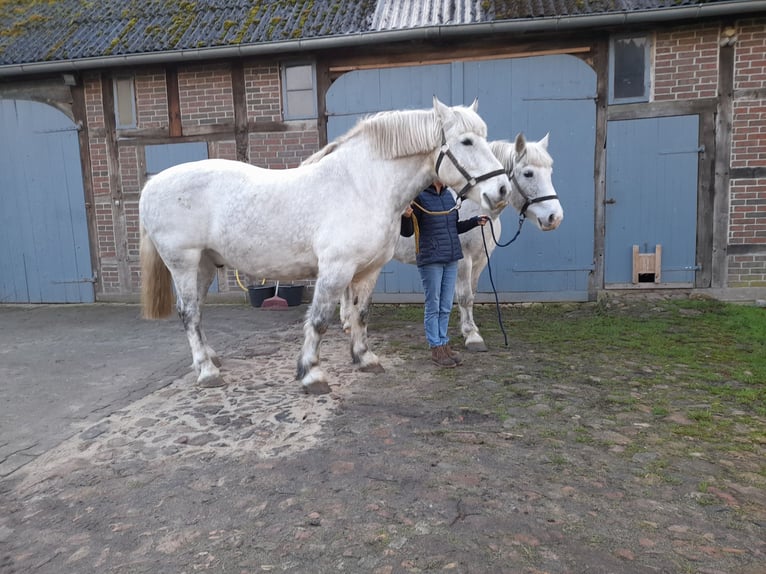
x,y
470,181
522,214
527,200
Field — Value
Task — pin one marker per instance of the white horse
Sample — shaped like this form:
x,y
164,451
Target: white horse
x,y
529,167
335,219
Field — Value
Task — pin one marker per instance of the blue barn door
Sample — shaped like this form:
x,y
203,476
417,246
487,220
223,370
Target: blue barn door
x,y
44,249
651,197
535,96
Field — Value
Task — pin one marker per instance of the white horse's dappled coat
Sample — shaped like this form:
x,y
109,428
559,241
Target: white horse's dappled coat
x,y
335,218
530,167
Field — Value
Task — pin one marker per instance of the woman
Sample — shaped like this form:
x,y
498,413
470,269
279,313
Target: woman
x,y
435,218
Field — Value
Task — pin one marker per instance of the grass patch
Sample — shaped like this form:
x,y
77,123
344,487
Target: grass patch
x,y
696,370
716,348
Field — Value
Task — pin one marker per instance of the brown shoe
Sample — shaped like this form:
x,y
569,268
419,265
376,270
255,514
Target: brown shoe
x,y
440,358
456,358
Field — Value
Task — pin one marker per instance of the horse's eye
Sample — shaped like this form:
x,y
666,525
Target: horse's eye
x,y
467,141
529,173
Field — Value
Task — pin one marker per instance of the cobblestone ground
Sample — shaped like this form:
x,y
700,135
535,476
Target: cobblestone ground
x,y
408,471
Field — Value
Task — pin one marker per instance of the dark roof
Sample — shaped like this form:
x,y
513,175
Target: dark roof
x,y
35,31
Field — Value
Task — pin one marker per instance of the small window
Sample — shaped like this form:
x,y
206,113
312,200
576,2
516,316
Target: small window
x,y
299,91
124,102
629,65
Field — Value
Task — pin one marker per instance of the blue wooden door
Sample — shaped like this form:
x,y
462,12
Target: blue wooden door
x,y
44,249
536,95
651,191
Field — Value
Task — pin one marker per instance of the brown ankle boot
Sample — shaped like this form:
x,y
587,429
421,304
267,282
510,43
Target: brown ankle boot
x,y
456,358
439,357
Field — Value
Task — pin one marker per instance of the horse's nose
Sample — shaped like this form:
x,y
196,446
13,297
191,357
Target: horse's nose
x,y
503,191
551,222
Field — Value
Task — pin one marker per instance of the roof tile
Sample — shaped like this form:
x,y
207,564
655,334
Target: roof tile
x,y
34,31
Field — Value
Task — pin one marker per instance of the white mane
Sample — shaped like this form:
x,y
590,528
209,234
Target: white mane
x,y
404,132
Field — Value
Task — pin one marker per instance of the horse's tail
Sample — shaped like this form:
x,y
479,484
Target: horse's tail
x,y
156,282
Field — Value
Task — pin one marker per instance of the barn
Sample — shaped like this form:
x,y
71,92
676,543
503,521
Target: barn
x,y
656,111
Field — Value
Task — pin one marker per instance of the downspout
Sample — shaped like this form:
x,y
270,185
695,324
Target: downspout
x,y
429,33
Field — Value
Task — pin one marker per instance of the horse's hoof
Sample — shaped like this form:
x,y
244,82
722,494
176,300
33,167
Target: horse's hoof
x,y
316,388
211,382
373,368
476,347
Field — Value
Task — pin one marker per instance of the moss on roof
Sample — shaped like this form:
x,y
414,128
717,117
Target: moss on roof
x,y
54,30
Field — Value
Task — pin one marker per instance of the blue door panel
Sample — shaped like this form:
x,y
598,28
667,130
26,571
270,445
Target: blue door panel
x,y
163,156
651,187
536,96
46,255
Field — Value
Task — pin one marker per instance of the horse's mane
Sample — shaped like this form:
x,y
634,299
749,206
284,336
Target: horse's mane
x,y
404,132
505,151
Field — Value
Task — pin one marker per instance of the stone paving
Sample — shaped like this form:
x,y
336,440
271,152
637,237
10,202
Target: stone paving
x,y
261,411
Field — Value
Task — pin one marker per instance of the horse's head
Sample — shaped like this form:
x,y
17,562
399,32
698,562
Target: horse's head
x,y
529,167
464,161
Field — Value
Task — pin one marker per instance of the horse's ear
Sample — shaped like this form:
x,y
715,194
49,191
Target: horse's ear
x,y
544,141
443,111
475,105
521,143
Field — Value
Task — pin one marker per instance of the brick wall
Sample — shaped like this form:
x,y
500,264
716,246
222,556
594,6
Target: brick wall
x,y
686,67
747,223
264,98
280,150
748,146
205,95
102,208
151,100
686,63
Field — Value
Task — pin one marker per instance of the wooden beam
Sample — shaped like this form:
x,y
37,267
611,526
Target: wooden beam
x,y
705,200
81,118
661,109
600,63
747,173
175,127
241,133
722,165
396,61
747,249
119,219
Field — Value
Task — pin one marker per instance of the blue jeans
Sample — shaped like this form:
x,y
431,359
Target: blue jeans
x,y
439,289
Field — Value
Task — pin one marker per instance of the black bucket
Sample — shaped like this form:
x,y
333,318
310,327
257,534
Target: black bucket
x,y
293,294
259,293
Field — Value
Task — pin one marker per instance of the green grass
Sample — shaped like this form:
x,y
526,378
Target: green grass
x,y
715,348
696,370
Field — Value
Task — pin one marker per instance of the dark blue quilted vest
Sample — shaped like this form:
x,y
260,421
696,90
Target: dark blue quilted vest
x,y
439,241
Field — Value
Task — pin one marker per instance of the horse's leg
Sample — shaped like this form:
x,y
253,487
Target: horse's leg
x,y
358,316
346,299
468,272
188,302
207,271
327,293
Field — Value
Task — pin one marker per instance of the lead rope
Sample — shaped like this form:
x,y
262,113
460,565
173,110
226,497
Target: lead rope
x,y
489,269
415,226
